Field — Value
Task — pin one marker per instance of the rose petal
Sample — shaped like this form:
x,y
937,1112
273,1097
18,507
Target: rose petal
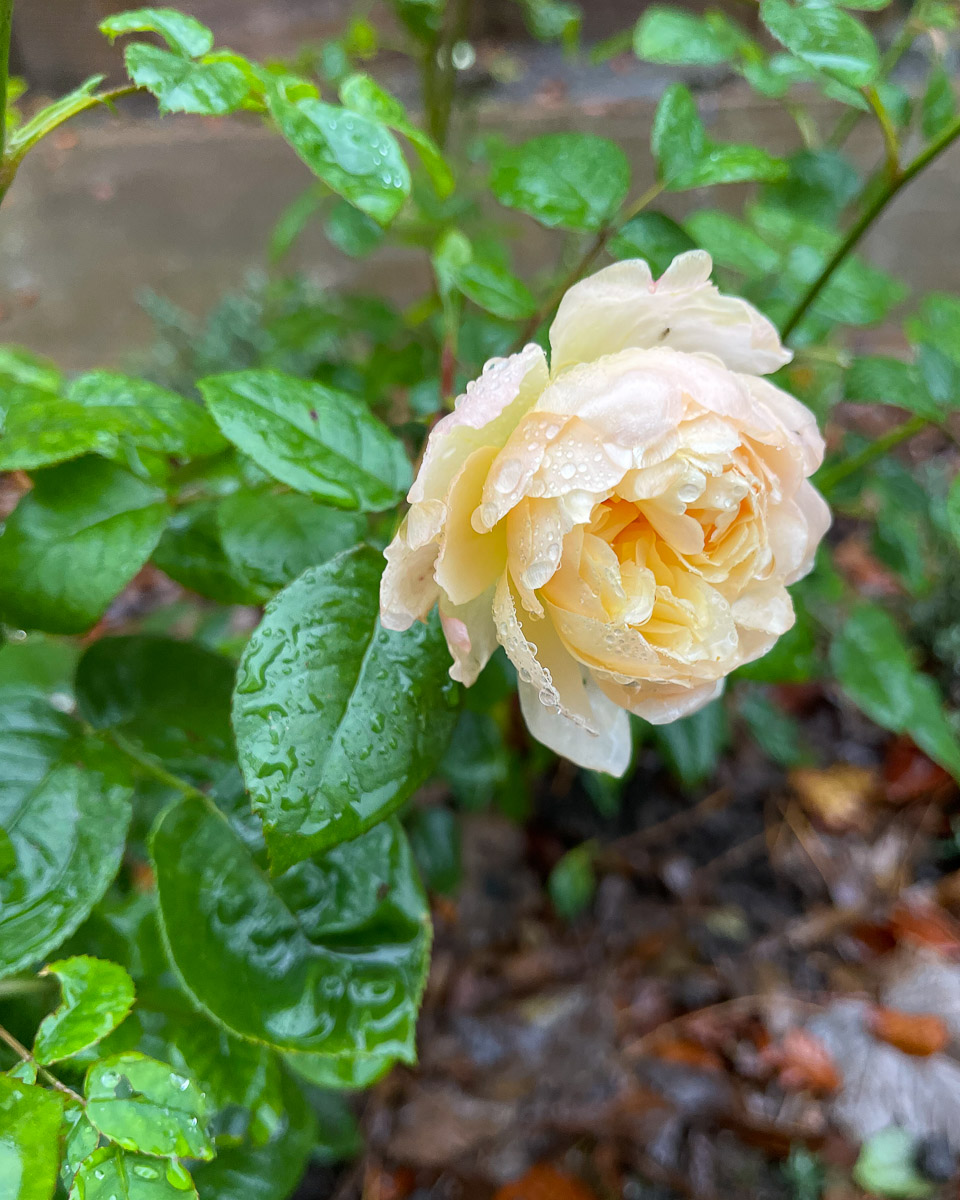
x,y
609,750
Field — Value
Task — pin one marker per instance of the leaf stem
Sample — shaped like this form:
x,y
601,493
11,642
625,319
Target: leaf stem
x,y
828,478
25,1056
6,26
152,767
586,260
867,218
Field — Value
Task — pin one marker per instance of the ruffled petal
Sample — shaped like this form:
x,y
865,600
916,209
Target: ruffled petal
x,y
621,306
407,588
663,703
471,635
609,750
469,562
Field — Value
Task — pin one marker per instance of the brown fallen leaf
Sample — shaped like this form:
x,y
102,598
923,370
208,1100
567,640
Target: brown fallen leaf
x,y
920,1034
909,775
838,797
544,1182
686,1053
388,1183
926,926
803,1063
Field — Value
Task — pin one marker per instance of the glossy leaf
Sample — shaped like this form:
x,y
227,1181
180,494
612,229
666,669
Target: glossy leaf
x,y
271,539
676,38
364,95
571,180
333,953
74,542
79,1138
19,366
170,697
731,243
182,33
352,231
104,413
97,995
937,324
553,20
358,158
874,668
191,551
435,837
939,102
355,1073
111,1173
317,440
144,1106
879,380
52,116
270,1171
654,237
825,37
65,807
337,719
208,89
29,1147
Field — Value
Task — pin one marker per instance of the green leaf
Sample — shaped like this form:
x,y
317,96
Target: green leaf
x,y
571,180
333,953
495,289
652,236
355,156
937,324
112,1174
144,1106
873,667
66,825
731,243
939,102
820,185
876,379
270,1171
691,747
52,116
80,1139
676,38
295,218
191,551
209,89
573,881
19,366
825,37
356,1073
777,734
352,231
184,34
364,95
74,542
953,510
29,1146
97,995
317,440
104,413
170,697
886,1166
271,539
337,720
687,159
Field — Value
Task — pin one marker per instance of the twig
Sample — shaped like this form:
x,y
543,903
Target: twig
x,y
24,1054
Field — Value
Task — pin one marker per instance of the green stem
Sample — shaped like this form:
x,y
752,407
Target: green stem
x,y
24,1054
586,260
828,478
867,218
152,767
6,26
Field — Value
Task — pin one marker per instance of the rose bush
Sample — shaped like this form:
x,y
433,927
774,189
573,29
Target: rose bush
x,y
625,523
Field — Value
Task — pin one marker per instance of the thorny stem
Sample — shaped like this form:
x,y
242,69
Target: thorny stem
x,y
24,1054
828,479
867,218
586,260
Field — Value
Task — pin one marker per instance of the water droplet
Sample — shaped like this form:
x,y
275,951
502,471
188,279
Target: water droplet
x,y
142,1171
568,470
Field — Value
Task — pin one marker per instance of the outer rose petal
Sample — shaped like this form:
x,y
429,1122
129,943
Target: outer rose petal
x,y
621,307
471,635
407,587
661,703
609,751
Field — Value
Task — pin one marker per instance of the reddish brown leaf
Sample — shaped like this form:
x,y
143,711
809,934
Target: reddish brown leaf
x,y
388,1183
544,1182
910,775
920,1034
803,1063
687,1053
927,926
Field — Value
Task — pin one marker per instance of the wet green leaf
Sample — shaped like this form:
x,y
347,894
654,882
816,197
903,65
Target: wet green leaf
x,y
571,180
333,952
74,542
731,243
939,102
435,837
879,380
676,38
144,1106
97,995
182,33
191,551
107,414
19,366
337,720
652,236
181,85
271,539
352,231
169,696
337,1073
825,37
110,1173
886,1166
80,1139
355,156
65,806
317,440
29,1149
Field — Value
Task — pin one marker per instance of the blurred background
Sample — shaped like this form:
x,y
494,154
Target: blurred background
x,y
114,208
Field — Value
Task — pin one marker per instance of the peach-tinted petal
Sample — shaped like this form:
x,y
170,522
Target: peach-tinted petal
x,y
407,588
471,635
607,750
620,307
663,703
469,562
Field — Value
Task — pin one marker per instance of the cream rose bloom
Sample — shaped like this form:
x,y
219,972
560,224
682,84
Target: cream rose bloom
x,y
625,522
